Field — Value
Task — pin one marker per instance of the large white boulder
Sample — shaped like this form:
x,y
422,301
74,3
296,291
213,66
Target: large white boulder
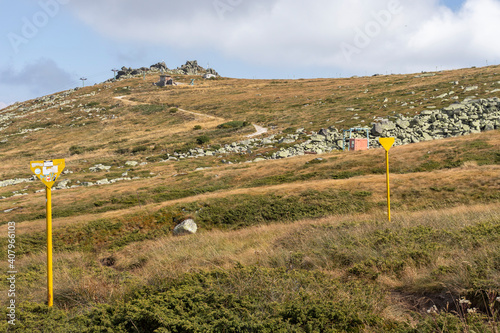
x,y
185,228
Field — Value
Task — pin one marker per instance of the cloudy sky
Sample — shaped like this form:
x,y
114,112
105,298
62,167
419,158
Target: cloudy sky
x,y
48,45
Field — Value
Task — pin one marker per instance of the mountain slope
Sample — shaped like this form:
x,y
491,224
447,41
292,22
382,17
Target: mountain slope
x,y
307,222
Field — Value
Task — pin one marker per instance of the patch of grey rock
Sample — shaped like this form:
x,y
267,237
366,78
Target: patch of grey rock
x,y
468,117
15,181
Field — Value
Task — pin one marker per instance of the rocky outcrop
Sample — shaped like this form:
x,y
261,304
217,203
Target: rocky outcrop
x,y
189,68
468,117
161,66
130,72
192,68
211,71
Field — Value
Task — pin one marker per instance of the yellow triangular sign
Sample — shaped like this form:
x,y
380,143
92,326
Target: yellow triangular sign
x,y
47,171
386,142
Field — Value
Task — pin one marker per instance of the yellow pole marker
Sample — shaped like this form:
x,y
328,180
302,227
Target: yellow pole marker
x,y
48,172
387,144
50,280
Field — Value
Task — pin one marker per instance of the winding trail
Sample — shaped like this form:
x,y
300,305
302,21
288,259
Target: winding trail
x,y
258,129
203,115
127,101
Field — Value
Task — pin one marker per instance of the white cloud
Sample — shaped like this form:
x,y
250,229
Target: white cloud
x,y
466,35
355,35
43,76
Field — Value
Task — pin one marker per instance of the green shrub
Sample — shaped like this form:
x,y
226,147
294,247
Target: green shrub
x,y
245,210
122,151
157,158
234,124
122,91
202,139
246,300
147,109
76,150
345,174
363,194
197,127
139,149
318,160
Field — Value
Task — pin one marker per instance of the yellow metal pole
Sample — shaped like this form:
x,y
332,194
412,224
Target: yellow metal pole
x,y
50,294
388,187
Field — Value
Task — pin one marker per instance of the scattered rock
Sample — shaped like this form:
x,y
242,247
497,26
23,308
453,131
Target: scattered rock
x,y
131,163
62,184
471,88
187,227
99,167
425,75
404,124
16,181
382,127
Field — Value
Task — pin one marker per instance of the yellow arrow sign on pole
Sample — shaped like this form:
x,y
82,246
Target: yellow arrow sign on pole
x,y
387,144
48,172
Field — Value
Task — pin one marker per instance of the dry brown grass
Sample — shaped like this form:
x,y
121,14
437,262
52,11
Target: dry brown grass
x,y
462,179
466,179
84,278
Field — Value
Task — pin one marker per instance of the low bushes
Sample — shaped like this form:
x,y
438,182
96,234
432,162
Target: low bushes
x,y
234,124
250,299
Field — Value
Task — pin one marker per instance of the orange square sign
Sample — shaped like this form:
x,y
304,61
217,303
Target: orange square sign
x,y
47,171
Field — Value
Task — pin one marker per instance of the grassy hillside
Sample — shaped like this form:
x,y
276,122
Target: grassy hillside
x,y
292,245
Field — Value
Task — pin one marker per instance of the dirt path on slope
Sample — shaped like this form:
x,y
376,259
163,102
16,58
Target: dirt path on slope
x,y
258,129
129,102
